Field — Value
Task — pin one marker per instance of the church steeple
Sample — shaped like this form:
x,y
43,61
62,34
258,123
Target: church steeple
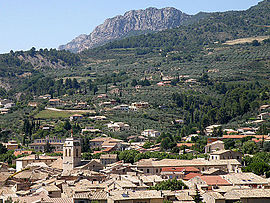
x,y
71,153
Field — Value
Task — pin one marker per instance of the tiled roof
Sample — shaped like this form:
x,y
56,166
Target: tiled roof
x,y
31,175
247,193
8,191
30,199
33,157
215,195
4,176
103,139
51,188
214,180
108,156
97,152
220,152
245,178
191,175
242,136
16,153
211,171
91,195
77,115
125,184
184,163
130,195
57,200
184,197
185,144
109,144
180,169
57,163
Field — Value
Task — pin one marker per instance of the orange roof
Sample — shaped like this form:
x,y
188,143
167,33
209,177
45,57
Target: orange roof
x,y
257,140
246,129
191,175
17,153
52,100
185,144
77,115
242,136
180,169
214,180
97,152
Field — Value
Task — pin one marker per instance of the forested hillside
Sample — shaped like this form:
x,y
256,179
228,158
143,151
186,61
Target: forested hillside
x,y
19,66
218,27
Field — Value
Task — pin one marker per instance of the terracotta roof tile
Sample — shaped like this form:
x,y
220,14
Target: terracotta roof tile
x,y
215,180
185,144
242,136
191,175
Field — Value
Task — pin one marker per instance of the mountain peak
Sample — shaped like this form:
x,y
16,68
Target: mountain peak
x,y
133,22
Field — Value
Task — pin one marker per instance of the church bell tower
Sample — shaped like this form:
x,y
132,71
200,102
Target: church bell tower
x,y
71,153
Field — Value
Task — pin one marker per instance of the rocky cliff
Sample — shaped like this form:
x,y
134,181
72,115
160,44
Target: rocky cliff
x,y
131,23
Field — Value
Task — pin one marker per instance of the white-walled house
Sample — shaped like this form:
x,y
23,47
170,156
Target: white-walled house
x,y
150,133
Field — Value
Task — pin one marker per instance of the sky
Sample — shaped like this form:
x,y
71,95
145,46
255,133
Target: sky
x,y
50,23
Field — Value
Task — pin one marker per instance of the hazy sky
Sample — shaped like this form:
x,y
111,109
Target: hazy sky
x,y
50,23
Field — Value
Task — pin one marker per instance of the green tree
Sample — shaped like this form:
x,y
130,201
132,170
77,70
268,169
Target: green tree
x,y
134,82
165,143
249,147
3,149
197,198
172,185
148,145
48,148
85,145
7,157
95,89
255,43
128,156
67,125
217,132
87,156
266,146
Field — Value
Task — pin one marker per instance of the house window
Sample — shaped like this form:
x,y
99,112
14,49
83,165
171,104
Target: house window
x,y
156,170
66,153
147,171
69,152
77,152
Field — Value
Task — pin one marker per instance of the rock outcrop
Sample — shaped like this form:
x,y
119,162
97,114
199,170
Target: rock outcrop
x,y
131,23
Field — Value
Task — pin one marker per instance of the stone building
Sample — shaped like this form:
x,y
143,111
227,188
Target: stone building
x,y
71,154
